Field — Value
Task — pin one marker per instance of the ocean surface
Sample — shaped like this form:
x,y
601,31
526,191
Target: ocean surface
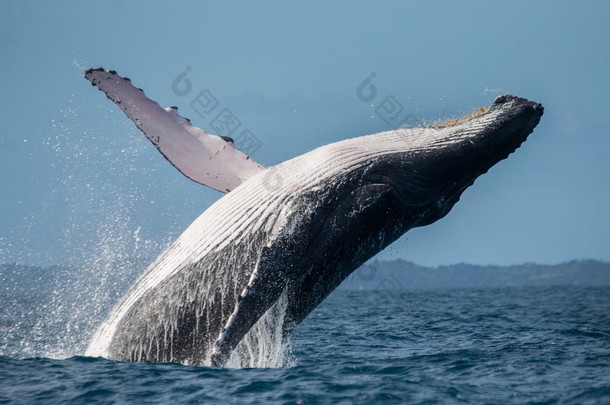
x,y
499,346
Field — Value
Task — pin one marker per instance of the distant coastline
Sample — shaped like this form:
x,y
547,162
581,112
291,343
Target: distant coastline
x,y
401,274
374,275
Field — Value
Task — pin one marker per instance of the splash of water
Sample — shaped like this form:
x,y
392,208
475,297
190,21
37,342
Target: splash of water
x,y
104,250
264,346
100,245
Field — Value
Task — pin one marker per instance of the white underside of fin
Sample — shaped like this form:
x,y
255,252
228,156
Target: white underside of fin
x,y
206,159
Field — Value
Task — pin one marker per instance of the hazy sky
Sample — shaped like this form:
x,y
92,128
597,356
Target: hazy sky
x,y
79,182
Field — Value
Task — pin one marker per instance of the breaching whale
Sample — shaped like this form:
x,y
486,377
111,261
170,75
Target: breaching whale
x,y
295,230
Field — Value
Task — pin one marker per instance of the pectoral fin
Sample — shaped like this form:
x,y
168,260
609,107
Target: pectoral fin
x,y
264,289
206,159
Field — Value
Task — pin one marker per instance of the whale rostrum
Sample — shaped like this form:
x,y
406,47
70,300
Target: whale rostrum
x,y
290,233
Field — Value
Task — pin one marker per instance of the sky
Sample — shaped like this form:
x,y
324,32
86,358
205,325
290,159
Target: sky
x,y
79,182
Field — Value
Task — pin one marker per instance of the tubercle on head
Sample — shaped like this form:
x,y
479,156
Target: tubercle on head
x,y
503,101
456,121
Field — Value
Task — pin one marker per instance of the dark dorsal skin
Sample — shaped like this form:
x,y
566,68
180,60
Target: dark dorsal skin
x,y
299,229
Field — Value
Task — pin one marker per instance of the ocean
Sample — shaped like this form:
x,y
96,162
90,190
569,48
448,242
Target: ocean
x,y
523,345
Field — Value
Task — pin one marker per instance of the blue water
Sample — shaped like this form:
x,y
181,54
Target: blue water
x,y
511,345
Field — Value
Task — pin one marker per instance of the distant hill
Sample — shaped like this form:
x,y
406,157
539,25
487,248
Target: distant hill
x,y
23,280
400,274
16,279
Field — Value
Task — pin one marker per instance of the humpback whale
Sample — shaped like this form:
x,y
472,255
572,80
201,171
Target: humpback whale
x,y
292,232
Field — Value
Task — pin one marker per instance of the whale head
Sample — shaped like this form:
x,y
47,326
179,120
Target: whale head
x,y
441,161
